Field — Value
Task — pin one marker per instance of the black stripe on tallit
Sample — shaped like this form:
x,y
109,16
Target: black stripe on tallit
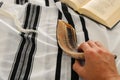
x,y
32,52
47,2
84,28
21,47
25,56
68,16
59,56
21,1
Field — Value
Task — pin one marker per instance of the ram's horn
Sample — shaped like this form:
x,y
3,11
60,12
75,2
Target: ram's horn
x,y
67,40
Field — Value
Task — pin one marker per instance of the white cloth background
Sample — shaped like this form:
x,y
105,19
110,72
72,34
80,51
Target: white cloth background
x,y
45,58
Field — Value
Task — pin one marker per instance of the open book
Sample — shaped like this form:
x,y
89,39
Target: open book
x,y
106,12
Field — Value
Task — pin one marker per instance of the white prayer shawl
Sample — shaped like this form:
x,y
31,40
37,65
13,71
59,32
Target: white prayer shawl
x,y
37,56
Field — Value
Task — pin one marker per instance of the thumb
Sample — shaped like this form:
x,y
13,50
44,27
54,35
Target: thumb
x,y
79,69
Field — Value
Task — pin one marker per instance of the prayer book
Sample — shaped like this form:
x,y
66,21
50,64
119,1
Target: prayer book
x,y
106,12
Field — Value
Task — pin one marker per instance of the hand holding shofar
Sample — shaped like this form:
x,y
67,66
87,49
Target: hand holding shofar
x,y
67,40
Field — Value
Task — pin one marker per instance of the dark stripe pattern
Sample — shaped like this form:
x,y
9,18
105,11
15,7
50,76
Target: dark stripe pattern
x,y
68,16
84,28
59,52
47,2
21,1
1,3
23,61
56,0
59,56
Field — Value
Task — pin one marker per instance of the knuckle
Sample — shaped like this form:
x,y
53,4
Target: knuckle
x,y
82,44
100,51
90,51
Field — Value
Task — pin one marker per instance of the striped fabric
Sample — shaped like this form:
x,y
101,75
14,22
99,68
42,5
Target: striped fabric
x,y
21,1
1,3
23,61
37,56
18,2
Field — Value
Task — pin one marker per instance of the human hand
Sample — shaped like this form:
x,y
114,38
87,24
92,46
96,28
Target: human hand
x,y
99,63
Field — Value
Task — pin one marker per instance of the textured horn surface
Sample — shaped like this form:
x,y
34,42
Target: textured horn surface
x,y
67,40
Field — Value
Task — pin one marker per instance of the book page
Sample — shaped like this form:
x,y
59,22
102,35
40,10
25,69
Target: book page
x,y
75,4
81,2
103,8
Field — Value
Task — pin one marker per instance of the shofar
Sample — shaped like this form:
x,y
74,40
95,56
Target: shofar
x,y
67,40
